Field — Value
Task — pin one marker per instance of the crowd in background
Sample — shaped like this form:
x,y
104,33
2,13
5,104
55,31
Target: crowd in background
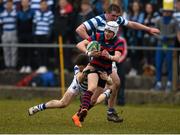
x,y
43,21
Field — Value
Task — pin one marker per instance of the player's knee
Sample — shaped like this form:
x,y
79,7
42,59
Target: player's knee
x,y
63,104
116,82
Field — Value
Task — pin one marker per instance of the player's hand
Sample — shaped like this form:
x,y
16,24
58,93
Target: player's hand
x,y
87,69
103,75
94,53
105,53
154,31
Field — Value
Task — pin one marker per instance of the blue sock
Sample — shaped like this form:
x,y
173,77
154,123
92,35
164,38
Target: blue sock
x,y
41,106
110,110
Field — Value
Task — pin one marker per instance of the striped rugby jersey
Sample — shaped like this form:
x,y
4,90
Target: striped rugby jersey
x,y
15,3
43,22
35,4
111,46
97,24
8,19
83,86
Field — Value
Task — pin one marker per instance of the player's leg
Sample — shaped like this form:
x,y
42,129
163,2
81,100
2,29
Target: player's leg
x,y
95,95
65,101
103,94
86,99
111,113
71,92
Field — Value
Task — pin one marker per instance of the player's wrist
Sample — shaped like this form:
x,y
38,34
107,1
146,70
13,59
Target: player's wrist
x,y
110,57
149,30
109,79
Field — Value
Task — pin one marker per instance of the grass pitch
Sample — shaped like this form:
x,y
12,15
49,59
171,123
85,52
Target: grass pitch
x,y
137,119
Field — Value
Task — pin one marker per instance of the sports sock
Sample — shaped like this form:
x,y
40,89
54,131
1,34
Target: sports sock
x,y
110,110
86,99
90,106
107,93
41,107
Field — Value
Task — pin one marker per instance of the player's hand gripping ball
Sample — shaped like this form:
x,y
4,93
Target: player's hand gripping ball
x,y
93,46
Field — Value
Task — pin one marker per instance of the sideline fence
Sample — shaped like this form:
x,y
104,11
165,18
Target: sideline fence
x,y
144,48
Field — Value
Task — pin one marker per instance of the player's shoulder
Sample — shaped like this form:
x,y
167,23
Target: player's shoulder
x,y
119,41
99,18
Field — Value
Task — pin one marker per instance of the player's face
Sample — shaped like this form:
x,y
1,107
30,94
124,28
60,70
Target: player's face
x,y
108,34
113,16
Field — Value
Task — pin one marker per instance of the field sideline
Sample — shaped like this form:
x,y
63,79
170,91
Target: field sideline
x,y
138,119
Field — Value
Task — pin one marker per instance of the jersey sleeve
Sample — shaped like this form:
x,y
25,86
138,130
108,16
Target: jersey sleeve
x,y
124,53
93,23
119,46
122,21
94,37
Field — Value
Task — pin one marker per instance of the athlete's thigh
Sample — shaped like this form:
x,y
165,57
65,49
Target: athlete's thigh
x,y
71,92
68,97
92,81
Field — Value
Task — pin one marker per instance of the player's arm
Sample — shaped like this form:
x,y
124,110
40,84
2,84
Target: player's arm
x,y
82,32
114,57
80,77
82,47
138,26
104,76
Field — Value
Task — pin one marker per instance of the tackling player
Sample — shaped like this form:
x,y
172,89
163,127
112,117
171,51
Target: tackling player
x,y
78,86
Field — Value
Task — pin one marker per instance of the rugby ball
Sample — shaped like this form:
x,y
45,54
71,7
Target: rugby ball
x,y
93,46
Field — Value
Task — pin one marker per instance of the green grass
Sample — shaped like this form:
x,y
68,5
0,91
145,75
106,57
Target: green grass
x,y
137,119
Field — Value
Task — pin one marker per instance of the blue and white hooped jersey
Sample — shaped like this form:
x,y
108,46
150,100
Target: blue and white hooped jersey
x,y
97,24
8,19
35,4
43,22
83,85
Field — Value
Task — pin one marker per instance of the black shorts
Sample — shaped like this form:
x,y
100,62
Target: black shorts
x,y
101,82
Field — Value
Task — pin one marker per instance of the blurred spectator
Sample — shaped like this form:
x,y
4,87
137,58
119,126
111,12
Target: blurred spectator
x,y
43,20
178,38
64,26
16,4
8,21
168,27
135,37
106,4
176,14
149,40
85,14
1,50
24,28
35,4
64,20
1,6
97,6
